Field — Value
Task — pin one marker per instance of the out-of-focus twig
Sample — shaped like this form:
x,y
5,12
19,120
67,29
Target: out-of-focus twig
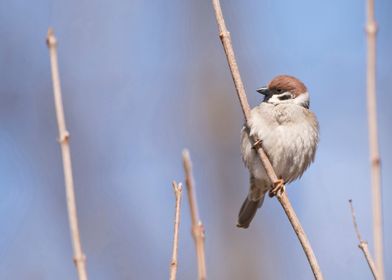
x,y
79,257
174,262
371,32
363,245
197,226
281,196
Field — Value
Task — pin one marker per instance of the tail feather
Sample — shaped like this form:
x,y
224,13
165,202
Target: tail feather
x,y
248,211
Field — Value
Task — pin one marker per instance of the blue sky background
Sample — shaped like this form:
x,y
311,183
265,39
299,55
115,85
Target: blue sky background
x,y
142,80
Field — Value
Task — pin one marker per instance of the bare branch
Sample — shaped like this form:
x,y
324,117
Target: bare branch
x,y
371,31
197,226
174,262
363,245
79,257
281,196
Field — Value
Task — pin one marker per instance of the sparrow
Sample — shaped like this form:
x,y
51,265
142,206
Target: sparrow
x,y
288,132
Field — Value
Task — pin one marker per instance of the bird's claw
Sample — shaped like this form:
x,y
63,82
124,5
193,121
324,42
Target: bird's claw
x,y
278,188
257,144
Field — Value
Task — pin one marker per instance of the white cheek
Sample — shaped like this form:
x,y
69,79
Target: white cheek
x,y
302,99
275,98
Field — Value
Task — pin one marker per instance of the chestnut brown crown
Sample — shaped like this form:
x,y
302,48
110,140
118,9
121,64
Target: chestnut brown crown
x,y
286,83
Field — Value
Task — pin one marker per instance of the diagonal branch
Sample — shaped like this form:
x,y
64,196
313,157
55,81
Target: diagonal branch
x,y
281,196
174,262
363,245
371,32
79,257
197,226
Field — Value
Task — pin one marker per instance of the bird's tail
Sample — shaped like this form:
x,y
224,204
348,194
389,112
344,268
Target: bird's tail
x,y
253,201
248,211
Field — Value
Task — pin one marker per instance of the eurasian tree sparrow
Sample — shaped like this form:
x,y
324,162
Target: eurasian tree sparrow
x,y
289,134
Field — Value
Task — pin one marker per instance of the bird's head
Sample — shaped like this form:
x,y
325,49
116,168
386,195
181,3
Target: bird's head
x,y
285,89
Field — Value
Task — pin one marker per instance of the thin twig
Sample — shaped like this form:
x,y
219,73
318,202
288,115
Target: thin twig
x,y
281,196
197,226
371,31
174,262
363,245
79,257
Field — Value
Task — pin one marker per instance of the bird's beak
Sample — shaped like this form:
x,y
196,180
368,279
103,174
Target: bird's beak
x,y
263,90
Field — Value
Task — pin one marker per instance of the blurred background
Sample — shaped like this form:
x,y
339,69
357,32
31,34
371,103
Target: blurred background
x,y
141,80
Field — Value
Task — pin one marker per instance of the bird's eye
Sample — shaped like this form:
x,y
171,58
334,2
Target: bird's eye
x,y
279,90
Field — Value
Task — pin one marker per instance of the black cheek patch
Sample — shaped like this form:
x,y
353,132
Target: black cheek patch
x,y
284,97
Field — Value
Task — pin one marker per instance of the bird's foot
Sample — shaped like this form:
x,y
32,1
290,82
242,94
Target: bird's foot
x,y
257,144
278,188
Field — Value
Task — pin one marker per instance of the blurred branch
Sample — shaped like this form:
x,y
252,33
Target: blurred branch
x,y
79,257
363,245
174,263
197,226
371,31
281,196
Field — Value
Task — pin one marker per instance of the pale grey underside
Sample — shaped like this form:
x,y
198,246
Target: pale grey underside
x,y
289,135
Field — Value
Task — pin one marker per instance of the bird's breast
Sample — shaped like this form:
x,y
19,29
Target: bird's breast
x,y
289,135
